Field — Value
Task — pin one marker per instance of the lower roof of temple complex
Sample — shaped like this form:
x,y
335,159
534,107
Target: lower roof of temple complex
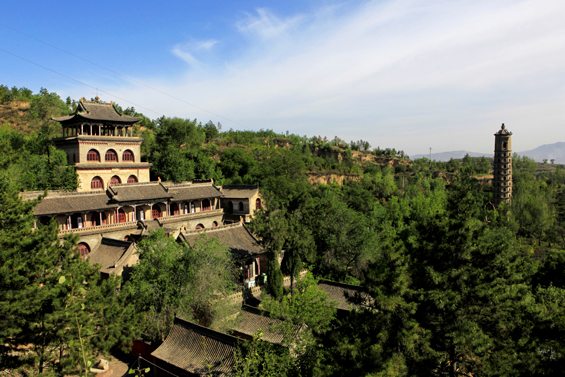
x,y
198,350
60,202
240,241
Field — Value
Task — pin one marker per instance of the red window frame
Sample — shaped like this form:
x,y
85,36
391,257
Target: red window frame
x,y
128,156
93,155
156,213
96,183
111,155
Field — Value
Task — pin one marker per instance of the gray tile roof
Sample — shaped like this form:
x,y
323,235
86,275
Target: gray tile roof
x,y
240,191
250,320
73,202
135,192
111,254
237,237
198,350
194,191
337,291
98,112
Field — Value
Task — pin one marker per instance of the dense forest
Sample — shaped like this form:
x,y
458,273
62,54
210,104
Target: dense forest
x,y
453,285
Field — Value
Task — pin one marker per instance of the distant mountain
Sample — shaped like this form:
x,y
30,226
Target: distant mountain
x,y
550,151
547,151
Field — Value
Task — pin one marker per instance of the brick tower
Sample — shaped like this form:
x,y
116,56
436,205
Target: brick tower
x,y
502,180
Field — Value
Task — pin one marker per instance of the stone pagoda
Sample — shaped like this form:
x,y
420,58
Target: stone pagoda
x,y
502,176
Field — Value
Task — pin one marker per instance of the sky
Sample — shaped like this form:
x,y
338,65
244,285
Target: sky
x,y
404,74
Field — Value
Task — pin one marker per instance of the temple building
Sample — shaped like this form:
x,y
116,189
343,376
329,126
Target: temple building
x,y
116,204
99,142
502,175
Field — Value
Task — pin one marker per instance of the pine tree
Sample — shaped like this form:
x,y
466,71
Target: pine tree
x,y
48,293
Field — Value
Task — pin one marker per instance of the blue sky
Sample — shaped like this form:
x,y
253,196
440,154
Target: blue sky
x,y
407,74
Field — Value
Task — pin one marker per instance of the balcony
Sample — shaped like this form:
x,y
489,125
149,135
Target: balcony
x,y
98,228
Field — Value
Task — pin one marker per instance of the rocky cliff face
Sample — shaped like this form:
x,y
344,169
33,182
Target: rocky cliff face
x,y
329,178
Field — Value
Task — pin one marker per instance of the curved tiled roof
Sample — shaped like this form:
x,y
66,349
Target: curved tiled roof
x,y
194,191
98,112
73,202
138,192
198,350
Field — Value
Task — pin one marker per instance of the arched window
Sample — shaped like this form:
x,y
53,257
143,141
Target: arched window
x,y
115,180
504,145
132,179
214,224
93,155
128,156
111,155
199,226
83,250
185,208
240,207
96,183
156,211
258,204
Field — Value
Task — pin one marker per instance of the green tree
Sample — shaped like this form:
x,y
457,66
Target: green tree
x,y
449,295
35,311
307,309
174,279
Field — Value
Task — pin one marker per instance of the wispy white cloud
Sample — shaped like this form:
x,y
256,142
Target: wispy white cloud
x,y
186,50
408,74
266,25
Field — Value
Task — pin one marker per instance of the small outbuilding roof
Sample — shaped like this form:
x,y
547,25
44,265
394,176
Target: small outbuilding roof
x,y
112,254
240,241
95,111
198,350
339,292
250,320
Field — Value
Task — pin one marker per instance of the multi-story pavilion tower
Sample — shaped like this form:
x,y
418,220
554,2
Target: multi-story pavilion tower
x,y
98,140
502,181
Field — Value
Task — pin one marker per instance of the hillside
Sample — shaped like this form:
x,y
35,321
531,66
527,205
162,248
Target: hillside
x,y
555,151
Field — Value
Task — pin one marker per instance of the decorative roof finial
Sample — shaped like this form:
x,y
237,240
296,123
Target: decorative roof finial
x,y
502,126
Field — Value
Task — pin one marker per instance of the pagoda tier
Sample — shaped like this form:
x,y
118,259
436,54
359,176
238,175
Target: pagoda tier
x,y
97,119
